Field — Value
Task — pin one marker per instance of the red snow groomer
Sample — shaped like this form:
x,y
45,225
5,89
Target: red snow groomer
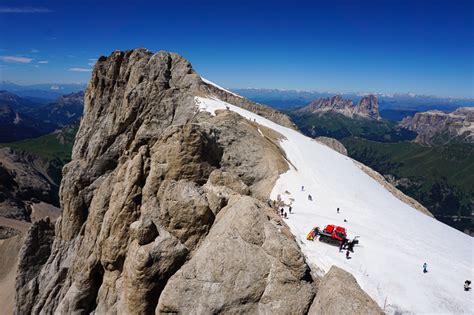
x,y
333,234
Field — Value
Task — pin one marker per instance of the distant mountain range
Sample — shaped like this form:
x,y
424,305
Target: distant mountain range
x,y
392,106
42,93
21,118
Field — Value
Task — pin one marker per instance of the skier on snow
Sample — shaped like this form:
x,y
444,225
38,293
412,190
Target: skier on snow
x,y
425,266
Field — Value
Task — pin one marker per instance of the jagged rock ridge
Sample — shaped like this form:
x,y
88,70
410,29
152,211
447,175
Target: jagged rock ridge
x,y
164,207
434,125
367,107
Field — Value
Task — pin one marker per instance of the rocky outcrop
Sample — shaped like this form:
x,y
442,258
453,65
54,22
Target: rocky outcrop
x,y
339,293
439,127
33,254
249,263
158,194
367,107
333,144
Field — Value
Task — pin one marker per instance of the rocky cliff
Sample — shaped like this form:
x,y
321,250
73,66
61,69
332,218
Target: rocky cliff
x,y
436,126
367,107
165,207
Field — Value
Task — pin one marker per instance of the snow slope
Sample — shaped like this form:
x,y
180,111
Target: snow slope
x,y
219,87
395,239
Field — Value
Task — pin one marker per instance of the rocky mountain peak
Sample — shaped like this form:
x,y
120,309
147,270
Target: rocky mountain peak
x,y
160,200
165,207
367,107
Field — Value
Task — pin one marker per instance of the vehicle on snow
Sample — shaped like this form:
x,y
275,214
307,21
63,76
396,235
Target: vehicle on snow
x,y
333,234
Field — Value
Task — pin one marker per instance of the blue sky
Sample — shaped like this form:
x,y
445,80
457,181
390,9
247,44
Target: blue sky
x,y
426,47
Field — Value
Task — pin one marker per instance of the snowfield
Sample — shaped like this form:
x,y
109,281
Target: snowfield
x,y
395,239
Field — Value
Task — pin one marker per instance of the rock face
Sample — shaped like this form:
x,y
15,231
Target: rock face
x,y
436,126
9,249
247,264
158,197
24,182
367,107
333,144
339,293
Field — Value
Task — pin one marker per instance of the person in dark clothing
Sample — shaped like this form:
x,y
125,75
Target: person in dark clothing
x,y
425,268
337,210
467,285
343,243
350,246
347,255
302,188
286,216
289,209
281,211
310,198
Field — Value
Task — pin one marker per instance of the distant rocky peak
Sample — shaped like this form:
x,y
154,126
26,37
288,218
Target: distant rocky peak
x,y
367,107
435,126
77,96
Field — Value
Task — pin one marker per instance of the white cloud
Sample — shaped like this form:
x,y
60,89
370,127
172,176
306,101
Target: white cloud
x,y
15,59
34,51
80,69
43,61
24,10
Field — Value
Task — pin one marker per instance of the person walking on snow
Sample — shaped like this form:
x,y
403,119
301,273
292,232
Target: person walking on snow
x,y
310,198
302,188
425,266
467,285
289,209
347,255
281,211
337,210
